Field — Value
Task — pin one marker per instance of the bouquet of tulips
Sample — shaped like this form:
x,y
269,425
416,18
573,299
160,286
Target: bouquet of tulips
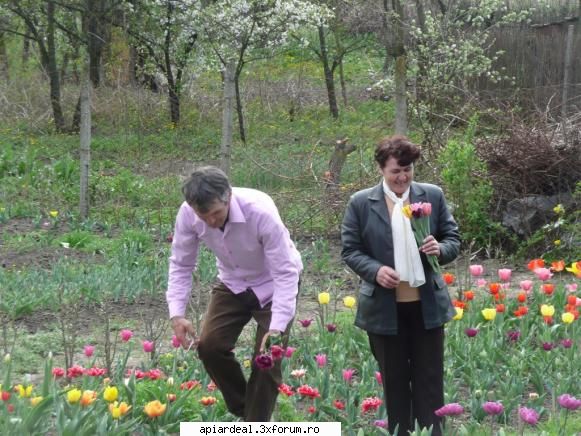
x,y
419,215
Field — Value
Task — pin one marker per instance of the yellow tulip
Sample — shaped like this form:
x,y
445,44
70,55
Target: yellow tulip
x,y
349,302
559,209
547,310
24,392
575,269
153,409
73,396
110,394
54,213
117,410
568,317
557,242
246,363
324,298
407,211
459,313
489,314
35,400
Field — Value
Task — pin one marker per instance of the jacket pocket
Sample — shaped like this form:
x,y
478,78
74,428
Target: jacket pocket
x,y
439,282
367,289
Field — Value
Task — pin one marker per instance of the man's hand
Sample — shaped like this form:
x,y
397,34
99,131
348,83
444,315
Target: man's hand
x,y
270,333
387,277
182,329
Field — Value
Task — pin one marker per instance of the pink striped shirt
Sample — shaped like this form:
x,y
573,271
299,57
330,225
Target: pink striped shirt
x,y
254,251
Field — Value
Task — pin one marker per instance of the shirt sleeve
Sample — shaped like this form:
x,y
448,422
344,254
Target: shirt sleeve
x,y
280,255
182,262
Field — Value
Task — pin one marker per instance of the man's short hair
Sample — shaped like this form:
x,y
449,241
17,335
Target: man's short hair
x,y
205,186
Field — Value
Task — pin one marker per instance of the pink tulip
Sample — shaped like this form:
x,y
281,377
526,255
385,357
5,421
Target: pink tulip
x,y
476,270
530,416
125,335
148,346
571,287
88,350
321,360
175,342
450,409
288,352
481,283
426,209
543,273
379,378
526,285
277,352
348,374
493,407
504,274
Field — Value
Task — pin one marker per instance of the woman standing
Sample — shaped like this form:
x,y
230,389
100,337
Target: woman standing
x,y
403,303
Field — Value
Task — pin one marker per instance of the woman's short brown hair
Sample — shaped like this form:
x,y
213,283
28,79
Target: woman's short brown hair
x,y
398,147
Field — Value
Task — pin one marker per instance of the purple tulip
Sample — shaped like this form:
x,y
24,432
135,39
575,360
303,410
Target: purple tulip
x,y
348,374
305,322
530,416
548,346
382,423
450,409
513,335
471,332
493,408
277,352
331,328
569,402
175,342
264,362
566,343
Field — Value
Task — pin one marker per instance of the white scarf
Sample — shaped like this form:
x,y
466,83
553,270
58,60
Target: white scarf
x,y
405,250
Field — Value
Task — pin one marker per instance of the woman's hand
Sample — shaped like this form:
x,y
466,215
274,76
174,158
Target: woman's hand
x,y
430,246
387,277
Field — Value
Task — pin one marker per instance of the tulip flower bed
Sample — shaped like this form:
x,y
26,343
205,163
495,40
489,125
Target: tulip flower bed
x,y
513,364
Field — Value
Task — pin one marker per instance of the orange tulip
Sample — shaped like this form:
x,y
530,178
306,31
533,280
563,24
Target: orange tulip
x,y
153,409
572,300
558,265
459,304
87,398
469,295
500,308
494,288
536,263
208,401
548,288
521,297
448,278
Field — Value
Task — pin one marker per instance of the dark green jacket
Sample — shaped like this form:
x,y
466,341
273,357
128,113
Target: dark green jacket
x,y
368,245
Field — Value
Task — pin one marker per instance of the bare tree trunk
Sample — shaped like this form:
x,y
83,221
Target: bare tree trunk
x,y
96,25
327,70
53,73
174,104
4,66
26,48
567,78
342,150
85,130
241,127
400,77
342,81
227,117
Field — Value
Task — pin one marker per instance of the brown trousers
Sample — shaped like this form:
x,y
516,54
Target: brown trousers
x,y
227,314
412,368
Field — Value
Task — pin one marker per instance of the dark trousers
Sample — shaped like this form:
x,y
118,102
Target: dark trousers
x,y
412,368
227,314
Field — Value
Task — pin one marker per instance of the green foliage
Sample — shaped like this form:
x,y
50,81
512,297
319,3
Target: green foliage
x,y
467,188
